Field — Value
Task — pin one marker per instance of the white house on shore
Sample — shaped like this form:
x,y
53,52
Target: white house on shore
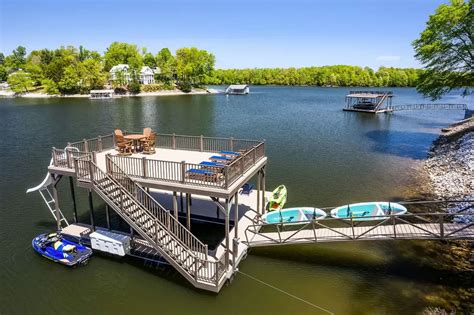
x,y
147,75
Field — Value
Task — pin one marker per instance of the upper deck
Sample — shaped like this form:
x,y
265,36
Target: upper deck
x,y
168,168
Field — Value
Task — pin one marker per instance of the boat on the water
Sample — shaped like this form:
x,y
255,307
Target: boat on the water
x,y
293,215
366,211
58,249
278,198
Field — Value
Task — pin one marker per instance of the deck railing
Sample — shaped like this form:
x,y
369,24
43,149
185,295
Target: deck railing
x,y
251,152
177,172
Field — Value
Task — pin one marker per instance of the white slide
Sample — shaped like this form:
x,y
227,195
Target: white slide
x,y
45,183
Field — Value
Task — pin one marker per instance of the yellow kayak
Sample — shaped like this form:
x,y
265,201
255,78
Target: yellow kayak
x,y
278,198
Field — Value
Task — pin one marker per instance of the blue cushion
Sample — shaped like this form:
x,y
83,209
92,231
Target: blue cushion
x,y
200,171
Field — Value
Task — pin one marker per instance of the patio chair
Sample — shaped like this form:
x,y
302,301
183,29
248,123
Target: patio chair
x,y
212,166
148,144
220,159
147,132
230,154
124,147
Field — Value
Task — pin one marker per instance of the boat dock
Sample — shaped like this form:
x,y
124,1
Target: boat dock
x,y
369,101
162,196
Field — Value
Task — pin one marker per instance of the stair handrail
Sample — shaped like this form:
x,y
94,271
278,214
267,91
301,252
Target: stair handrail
x,y
158,211
379,103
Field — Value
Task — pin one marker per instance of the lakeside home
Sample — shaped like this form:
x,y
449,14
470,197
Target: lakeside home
x,y
147,75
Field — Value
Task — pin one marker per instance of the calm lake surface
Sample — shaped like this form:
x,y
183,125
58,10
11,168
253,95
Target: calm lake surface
x,y
326,157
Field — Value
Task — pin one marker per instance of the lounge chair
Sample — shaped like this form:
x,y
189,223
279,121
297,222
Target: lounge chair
x,y
230,154
203,174
148,144
212,166
220,159
124,147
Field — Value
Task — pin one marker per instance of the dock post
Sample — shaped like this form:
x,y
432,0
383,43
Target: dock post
x,y
258,192
73,195
91,208
235,249
174,141
175,204
263,190
56,207
441,226
227,206
107,216
188,211
201,143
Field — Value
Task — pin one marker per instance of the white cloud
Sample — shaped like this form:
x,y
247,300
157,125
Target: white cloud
x,y
388,58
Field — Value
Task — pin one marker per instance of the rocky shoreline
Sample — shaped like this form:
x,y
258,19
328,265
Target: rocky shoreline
x,y
450,166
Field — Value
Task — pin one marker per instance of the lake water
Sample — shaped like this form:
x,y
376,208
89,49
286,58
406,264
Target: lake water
x,y
326,157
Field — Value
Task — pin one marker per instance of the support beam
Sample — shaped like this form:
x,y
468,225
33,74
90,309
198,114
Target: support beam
x,y
73,195
107,216
91,209
263,190
227,243
188,211
258,191
175,204
236,216
56,207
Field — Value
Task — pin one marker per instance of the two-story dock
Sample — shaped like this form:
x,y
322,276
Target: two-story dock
x,y
143,190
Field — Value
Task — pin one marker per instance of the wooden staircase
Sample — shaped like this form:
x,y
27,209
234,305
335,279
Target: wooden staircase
x,y
155,224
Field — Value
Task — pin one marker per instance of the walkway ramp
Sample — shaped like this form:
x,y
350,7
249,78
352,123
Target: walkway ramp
x,y
437,226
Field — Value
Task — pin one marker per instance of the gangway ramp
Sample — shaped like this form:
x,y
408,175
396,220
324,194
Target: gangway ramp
x,y
420,226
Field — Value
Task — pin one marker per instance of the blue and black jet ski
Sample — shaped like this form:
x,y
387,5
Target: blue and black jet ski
x,y
53,246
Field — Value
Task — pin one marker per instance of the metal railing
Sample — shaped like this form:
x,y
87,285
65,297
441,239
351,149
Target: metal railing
x,y
177,172
436,225
428,107
98,144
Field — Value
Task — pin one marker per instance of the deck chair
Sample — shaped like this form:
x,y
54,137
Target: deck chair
x,y
220,159
124,147
147,132
148,144
230,154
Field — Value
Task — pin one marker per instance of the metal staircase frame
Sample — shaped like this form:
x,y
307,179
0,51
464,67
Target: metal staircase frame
x,y
154,223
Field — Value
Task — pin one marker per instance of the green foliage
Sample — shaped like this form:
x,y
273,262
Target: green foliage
x,y
149,60
17,59
20,81
166,62
156,87
134,87
184,86
70,82
92,75
193,65
50,87
3,73
317,76
122,53
2,58
445,48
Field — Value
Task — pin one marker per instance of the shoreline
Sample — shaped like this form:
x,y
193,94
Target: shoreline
x,y
4,93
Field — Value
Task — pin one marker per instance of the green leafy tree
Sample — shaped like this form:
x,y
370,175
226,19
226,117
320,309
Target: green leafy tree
x,y
166,63
70,82
122,53
446,50
20,81
50,87
193,65
17,59
149,60
2,58
3,73
92,75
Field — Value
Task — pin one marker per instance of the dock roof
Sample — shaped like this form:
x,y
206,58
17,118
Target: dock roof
x,y
364,95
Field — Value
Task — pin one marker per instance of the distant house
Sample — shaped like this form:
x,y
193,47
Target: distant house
x,y
146,76
121,68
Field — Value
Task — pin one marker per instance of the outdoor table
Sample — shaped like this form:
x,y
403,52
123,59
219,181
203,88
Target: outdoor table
x,y
136,140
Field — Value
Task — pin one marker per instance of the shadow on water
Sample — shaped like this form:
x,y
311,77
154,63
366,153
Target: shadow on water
x,y
401,143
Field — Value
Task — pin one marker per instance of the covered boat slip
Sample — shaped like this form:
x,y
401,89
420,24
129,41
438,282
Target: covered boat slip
x,y
369,101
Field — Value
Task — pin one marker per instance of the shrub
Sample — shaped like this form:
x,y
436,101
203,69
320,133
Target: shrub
x,y
152,87
134,87
184,86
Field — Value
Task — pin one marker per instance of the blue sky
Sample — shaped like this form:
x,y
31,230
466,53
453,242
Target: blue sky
x,y
241,34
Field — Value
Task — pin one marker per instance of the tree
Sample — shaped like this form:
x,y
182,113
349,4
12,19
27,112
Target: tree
x,y
71,80
20,81
92,75
3,73
445,48
2,58
17,59
122,53
166,62
193,65
149,60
